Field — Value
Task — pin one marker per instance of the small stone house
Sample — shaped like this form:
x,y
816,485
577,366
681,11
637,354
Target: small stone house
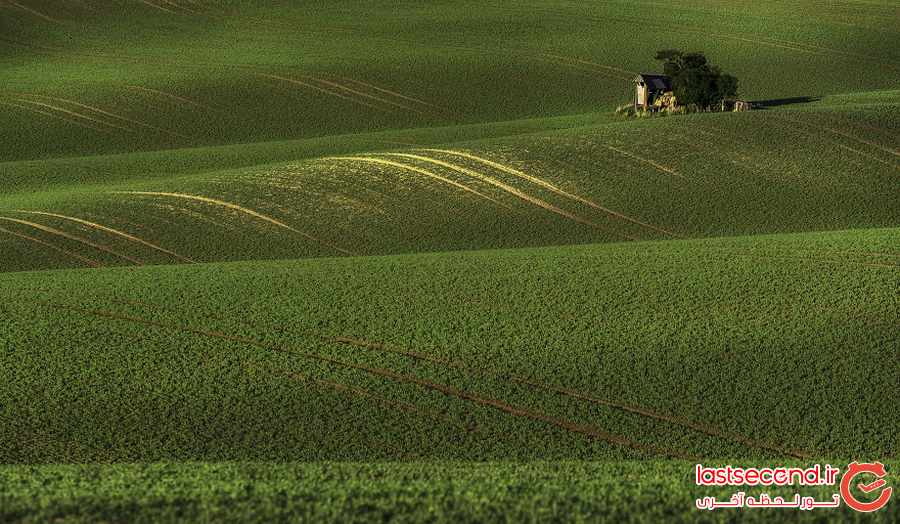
x,y
650,88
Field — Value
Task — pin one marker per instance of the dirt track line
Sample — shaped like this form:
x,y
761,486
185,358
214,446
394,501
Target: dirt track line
x,y
111,231
179,6
405,407
701,428
511,190
53,231
448,390
32,11
764,42
618,71
57,117
73,113
236,207
656,165
828,50
88,261
366,95
161,8
389,92
113,115
420,171
841,133
543,183
863,141
575,67
450,364
517,411
167,95
321,90
869,156
519,379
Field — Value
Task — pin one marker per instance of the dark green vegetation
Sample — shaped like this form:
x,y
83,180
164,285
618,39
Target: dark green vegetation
x,y
694,80
829,166
538,285
659,491
234,71
408,357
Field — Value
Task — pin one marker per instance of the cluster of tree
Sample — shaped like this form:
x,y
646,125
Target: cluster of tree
x,y
696,81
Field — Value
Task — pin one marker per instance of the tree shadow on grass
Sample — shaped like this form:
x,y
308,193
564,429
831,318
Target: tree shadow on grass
x,y
776,102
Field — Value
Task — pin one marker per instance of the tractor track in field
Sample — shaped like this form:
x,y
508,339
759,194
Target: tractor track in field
x,y
516,378
73,116
111,231
90,262
159,7
572,393
868,156
31,11
844,134
448,390
164,94
614,72
56,117
513,191
652,163
363,94
235,207
322,90
101,111
75,238
180,6
421,171
396,405
551,187
367,99
392,93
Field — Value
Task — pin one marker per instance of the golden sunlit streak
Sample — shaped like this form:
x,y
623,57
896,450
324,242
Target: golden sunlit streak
x,y
111,231
57,232
235,207
543,183
511,190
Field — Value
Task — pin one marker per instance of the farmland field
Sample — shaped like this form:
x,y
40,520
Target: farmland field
x,y
356,261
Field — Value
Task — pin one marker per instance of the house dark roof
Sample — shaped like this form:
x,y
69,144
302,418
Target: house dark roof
x,y
655,82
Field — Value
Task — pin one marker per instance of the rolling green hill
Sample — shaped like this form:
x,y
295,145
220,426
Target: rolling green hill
x,y
117,76
644,349
350,260
833,165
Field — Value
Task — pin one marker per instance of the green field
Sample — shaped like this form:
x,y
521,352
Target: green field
x,y
378,260
366,492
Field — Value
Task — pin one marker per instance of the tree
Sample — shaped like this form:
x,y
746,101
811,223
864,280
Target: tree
x,y
695,80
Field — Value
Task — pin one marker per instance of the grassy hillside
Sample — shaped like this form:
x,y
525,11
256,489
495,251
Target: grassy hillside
x,y
832,165
635,491
115,76
343,260
647,349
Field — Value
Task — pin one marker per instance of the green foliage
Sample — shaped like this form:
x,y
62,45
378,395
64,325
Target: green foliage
x,y
496,66
224,361
440,492
694,80
770,171
450,386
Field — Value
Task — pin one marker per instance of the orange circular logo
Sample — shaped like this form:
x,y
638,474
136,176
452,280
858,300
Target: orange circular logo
x,y
876,469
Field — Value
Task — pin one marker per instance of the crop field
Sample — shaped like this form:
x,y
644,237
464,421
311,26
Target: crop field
x,y
455,492
697,176
372,261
